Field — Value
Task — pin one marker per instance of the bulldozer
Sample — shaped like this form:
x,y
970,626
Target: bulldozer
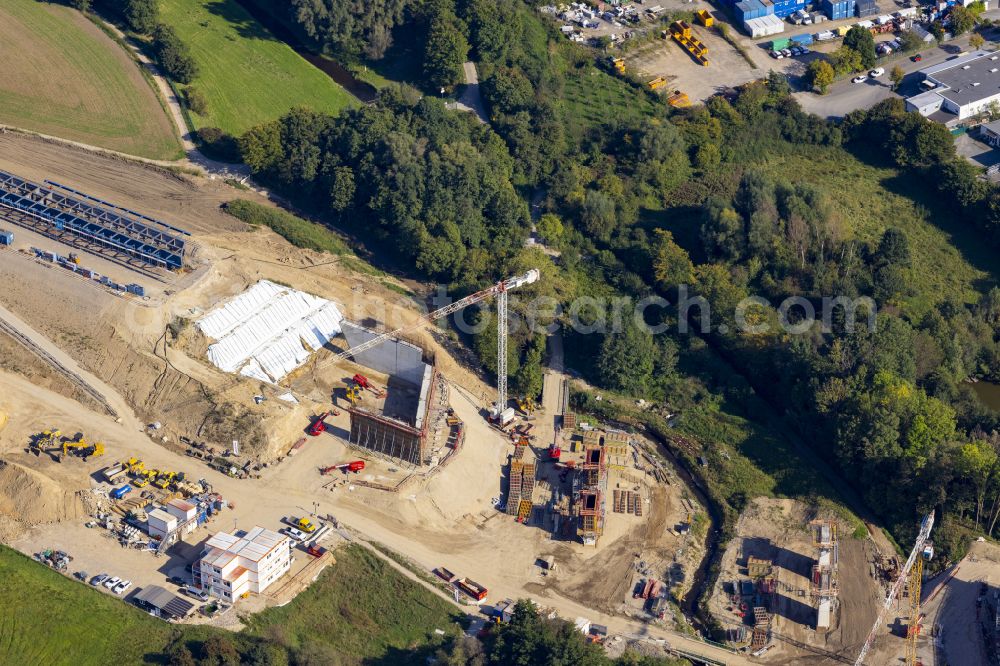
x,y
82,448
164,480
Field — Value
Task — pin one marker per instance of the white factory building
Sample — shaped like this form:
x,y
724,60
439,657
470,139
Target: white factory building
x,y
959,88
234,565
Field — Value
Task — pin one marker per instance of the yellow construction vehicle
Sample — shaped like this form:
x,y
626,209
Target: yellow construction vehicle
x,y
140,482
353,394
618,64
134,466
526,404
164,479
82,448
44,440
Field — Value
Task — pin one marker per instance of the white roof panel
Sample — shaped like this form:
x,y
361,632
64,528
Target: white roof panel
x,y
269,330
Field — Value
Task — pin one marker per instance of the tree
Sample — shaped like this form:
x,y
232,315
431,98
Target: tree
x,y
196,100
141,15
82,5
445,51
896,76
977,461
180,655
976,41
550,228
894,248
846,60
671,264
820,75
962,20
626,359
173,55
909,41
861,40
218,650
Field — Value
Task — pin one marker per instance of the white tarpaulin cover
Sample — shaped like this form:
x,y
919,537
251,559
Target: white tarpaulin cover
x,y
264,332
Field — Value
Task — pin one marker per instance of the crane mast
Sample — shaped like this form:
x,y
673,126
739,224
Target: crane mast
x,y
915,559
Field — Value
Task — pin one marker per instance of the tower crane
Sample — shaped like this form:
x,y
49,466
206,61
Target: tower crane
x,y
913,569
500,290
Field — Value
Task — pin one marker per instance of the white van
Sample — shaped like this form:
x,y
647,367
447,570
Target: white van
x,y
877,72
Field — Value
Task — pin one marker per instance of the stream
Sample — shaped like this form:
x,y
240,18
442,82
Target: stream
x,y
689,605
363,91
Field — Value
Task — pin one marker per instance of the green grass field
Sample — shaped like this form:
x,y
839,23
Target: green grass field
x,y
360,610
248,76
62,76
50,619
364,609
949,260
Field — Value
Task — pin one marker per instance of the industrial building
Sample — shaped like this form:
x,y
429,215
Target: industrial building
x,y
990,133
232,566
92,224
394,422
958,89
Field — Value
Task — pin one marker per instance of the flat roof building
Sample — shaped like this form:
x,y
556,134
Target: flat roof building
x,y
232,565
962,87
162,603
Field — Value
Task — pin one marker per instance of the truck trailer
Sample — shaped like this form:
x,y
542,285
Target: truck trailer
x,y
472,588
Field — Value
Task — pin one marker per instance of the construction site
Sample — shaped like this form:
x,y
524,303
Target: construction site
x,y
255,381
255,394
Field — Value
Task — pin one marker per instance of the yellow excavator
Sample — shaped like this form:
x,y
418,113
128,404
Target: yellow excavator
x,y
526,405
82,448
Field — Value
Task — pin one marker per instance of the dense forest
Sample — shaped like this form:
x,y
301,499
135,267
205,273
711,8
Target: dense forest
x,y
746,195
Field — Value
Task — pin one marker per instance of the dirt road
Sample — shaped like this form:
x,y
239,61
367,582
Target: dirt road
x,y
62,362
951,605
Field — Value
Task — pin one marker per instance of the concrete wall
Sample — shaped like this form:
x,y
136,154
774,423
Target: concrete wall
x,y
388,439
396,358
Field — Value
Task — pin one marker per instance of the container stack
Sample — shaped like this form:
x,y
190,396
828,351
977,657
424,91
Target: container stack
x,y
783,8
802,40
867,8
838,9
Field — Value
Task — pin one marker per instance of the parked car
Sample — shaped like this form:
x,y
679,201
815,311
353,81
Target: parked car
x,y
877,72
777,55
177,580
98,579
917,58
786,52
81,575
861,78
195,593
803,50
122,586
111,582
295,533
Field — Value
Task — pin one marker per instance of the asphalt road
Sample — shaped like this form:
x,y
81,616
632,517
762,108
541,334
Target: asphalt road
x,y
844,96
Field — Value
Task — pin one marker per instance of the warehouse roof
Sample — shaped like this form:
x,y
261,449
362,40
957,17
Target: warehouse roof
x,y
969,78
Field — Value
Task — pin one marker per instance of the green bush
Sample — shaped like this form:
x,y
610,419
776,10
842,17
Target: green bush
x,y
298,232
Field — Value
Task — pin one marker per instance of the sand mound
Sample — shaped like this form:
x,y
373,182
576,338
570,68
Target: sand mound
x,y
29,497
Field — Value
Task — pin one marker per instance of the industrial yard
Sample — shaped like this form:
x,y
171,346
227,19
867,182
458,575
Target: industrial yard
x,y
432,477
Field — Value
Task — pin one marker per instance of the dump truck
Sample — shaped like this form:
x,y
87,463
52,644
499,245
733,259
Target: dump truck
x,y
444,574
472,588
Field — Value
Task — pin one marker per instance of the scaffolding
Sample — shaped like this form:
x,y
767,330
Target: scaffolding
x,y
823,582
105,228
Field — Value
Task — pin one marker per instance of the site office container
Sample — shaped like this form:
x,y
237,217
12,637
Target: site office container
x,y
6,237
803,40
778,44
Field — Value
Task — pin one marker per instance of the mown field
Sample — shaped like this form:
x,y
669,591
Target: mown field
x,y
360,610
62,76
247,75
